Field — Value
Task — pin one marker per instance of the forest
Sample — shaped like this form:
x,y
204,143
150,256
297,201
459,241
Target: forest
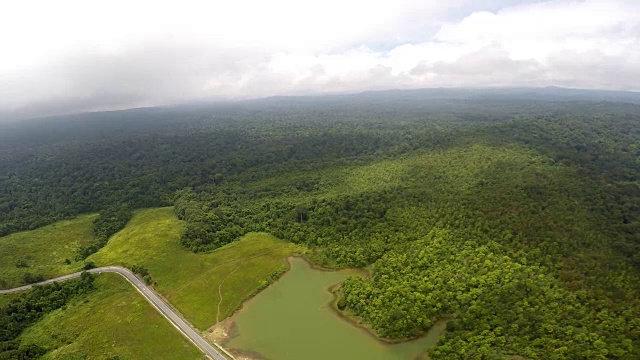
x,y
517,219
110,220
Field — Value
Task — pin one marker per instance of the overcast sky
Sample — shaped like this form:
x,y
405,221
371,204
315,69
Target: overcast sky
x,y
70,56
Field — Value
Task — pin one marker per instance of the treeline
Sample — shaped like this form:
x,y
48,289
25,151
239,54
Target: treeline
x,y
144,273
25,310
109,221
517,220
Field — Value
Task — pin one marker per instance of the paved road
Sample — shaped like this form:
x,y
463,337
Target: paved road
x,y
185,328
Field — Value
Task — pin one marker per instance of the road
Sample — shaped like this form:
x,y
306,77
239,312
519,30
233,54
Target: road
x,y
186,329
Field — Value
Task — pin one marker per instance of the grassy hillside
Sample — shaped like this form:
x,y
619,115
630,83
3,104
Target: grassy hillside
x,y
203,287
43,251
193,282
113,320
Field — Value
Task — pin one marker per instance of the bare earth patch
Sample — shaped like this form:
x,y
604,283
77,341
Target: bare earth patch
x,y
219,332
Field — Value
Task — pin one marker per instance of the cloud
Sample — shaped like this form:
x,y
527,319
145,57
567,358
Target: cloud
x,y
70,56
489,66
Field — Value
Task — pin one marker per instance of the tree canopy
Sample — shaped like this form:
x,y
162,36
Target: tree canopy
x,y
518,220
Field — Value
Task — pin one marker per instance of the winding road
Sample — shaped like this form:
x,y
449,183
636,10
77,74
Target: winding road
x,y
185,328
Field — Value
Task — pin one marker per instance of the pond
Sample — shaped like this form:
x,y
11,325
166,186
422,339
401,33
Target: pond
x,y
293,319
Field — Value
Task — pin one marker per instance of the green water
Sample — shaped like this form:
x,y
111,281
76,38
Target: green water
x,y
293,319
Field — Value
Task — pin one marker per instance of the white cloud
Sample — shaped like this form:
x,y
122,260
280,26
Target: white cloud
x,y
534,31
98,55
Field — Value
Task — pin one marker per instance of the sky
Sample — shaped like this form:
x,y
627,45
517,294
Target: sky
x,y
69,56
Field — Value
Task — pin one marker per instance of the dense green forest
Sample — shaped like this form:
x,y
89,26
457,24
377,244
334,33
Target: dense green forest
x,y
518,219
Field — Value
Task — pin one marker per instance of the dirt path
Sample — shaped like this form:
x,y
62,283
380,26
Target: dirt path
x,y
220,294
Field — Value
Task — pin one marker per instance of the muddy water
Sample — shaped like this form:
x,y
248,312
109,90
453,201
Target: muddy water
x,y
293,319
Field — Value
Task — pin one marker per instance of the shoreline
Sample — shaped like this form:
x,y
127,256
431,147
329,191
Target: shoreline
x,y
365,271
355,321
228,326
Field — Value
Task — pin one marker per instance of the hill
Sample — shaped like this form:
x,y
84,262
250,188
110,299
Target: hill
x,y
516,211
112,321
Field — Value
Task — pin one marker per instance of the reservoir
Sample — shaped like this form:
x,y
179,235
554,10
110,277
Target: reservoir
x,y
293,319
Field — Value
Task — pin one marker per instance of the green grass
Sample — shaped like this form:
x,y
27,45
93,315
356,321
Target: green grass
x,y
6,298
114,320
44,250
191,281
